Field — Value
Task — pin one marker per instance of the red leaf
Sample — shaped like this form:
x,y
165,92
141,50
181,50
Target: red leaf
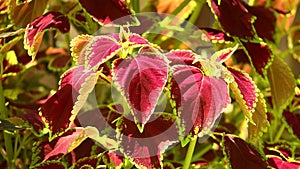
x,y
182,57
216,35
264,23
33,118
141,80
101,49
200,99
65,144
110,9
293,120
237,22
278,163
34,31
51,165
260,55
246,87
57,109
243,155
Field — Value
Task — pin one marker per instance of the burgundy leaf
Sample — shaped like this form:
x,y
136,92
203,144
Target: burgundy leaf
x,y
57,109
75,76
182,57
278,163
260,55
247,90
265,22
58,63
51,165
216,35
200,99
243,155
141,80
66,143
110,9
293,120
237,22
33,118
34,31
101,49
114,159
87,162
137,39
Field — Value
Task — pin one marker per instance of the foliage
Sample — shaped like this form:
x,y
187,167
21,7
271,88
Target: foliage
x,y
119,84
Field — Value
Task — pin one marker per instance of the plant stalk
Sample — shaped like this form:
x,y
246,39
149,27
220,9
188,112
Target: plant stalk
x,y
189,154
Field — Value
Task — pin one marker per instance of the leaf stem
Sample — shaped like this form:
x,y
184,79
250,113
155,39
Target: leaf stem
x,y
136,6
189,154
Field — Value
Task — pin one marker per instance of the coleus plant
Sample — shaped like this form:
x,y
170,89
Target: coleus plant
x,y
196,87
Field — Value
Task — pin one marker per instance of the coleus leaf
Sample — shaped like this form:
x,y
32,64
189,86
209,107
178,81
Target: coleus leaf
x,y
245,92
243,155
51,165
23,14
278,163
216,36
260,55
184,57
141,80
67,142
78,48
239,17
293,120
110,9
282,84
56,112
35,30
200,99
83,81
259,118
100,49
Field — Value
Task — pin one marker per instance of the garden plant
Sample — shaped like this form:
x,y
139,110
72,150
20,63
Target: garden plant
x,y
89,84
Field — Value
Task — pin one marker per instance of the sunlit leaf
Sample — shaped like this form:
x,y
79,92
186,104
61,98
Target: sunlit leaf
x,y
35,30
110,9
181,57
259,117
200,99
100,49
23,14
57,110
66,143
243,155
278,163
216,36
77,48
141,80
282,83
244,90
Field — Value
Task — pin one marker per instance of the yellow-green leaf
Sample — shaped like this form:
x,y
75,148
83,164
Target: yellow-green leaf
x,y
282,84
259,118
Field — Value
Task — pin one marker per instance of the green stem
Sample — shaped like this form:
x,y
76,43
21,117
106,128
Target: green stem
x,y
136,6
196,11
189,154
279,133
4,115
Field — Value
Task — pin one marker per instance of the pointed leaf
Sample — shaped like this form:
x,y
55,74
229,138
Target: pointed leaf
x,y
23,14
293,120
184,57
243,155
216,36
100,49
57,110
282,84
260,55
141,80
259,117
238,16
67,143
110,9
278,163
200,99
35,30
78,45
245,92
83,82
